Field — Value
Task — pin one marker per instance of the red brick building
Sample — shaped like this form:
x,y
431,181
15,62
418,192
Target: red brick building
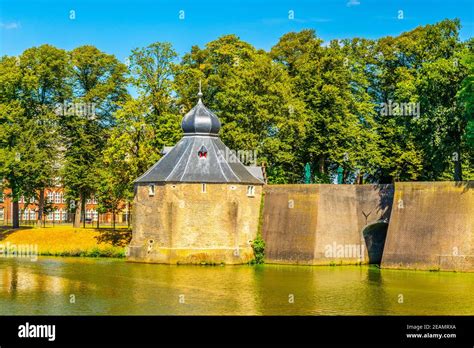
x,y
55,198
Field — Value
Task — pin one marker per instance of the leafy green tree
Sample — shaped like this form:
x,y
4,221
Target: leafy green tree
x,y
99,85
422,67
31,86
143,125
44,71
252,97
129,152
339,127
465,98
152,70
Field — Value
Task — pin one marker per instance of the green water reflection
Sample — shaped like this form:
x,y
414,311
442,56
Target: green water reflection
x,y
115,287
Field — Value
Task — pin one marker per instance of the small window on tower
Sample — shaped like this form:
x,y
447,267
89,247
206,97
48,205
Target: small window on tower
x,y
251,191
151,190
202,153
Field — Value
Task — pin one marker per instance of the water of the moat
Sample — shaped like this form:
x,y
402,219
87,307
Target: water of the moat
x,y
81,286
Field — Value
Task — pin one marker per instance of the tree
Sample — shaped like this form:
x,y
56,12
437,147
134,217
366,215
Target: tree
x,y
142,125
328,80
31,85
99,85
129,152
253,99
152,70
421,66
44,71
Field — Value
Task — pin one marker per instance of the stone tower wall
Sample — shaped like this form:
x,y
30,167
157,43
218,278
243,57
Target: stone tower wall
x,y
182,224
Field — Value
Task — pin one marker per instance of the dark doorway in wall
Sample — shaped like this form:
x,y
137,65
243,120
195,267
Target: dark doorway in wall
x,y
374,236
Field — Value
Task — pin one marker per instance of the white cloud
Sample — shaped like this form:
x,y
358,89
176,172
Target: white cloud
x,y
10,25
353,3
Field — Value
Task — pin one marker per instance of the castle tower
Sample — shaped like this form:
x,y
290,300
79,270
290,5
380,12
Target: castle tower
x,y
198,203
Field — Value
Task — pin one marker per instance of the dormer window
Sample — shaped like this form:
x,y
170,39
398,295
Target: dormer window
x,y
202,153
151,190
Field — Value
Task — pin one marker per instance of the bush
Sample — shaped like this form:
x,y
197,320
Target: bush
x,y
258,246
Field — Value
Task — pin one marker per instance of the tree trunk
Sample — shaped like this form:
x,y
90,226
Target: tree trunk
x,y
458,167
83,203
128,215
15,210
41,205
77,214
113,219
321,165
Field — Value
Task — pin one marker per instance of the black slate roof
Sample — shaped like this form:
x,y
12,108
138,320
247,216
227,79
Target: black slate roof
x,y
200,156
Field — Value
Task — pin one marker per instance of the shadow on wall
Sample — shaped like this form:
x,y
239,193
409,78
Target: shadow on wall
x,y
468,185
385,193
374,236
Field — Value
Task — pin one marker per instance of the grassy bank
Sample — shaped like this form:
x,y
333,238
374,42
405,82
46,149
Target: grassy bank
x,y
69,241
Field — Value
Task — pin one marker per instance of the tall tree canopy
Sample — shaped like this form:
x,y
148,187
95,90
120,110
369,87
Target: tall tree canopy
x,y
395,108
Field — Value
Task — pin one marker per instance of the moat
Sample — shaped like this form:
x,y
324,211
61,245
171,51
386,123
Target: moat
x,y
82,286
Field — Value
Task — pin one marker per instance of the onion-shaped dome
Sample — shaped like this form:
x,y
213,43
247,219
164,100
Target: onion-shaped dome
x,y
200,120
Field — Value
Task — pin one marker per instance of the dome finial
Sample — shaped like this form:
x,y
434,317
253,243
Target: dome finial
x,y
200,93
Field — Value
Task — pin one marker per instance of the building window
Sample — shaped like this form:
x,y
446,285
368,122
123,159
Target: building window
x,y
204,188
63,215
2,214
26,214
49,216
50,197
57,216
57,197
94,215
251,191
151,190
32,215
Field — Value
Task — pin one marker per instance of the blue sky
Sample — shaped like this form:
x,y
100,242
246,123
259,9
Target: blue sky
x,y
119,26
